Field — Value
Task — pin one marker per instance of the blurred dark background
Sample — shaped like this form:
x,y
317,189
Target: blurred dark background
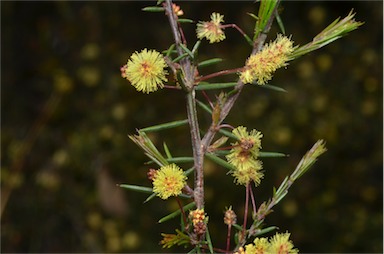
x,y
66,113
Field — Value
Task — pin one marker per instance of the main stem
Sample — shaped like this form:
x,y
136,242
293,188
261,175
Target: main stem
x,y
188,80
198,154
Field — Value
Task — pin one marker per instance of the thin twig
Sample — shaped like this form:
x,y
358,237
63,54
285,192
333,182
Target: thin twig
x,y
229,237
208,99
219,73
245,212
252,199
182,210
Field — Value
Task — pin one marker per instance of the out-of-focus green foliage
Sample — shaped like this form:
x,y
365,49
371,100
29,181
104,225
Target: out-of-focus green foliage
x,y
66,113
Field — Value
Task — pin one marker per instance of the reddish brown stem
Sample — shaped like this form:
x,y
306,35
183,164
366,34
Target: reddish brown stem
x,y
245,212
207,98
236,27
225,126
182,211
229,237
216,74
252,199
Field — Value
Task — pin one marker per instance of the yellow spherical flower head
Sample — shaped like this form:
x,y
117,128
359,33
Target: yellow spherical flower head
x,y
245,175
169,181
280,243
261,245
260,67
211,30
197,216
145,70
246,150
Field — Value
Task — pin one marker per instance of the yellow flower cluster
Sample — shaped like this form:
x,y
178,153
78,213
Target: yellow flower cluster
x,y
145,71
278,244
169,181
243,156
197,216
211,30
260,67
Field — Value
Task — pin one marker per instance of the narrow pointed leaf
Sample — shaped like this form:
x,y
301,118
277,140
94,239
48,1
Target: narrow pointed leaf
x,y
149,148
281,197
155,160
209,241
185,21
219,161
136,188
179,57
176,213
165,126
275,88
169,51
238,227
167,152
152,196
266,230
221,141
177,160
204,106
186,50
180,160
193,250
209,62
189,171
153,9
213,86
249,40
272,154
222,152
280,23
227,133
282,186
253,15
196,47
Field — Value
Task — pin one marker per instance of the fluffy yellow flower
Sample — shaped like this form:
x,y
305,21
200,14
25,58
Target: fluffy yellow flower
x,y
145,71
243,156
211,30
260,67
169,181
261,245
280,244
197,216
245,175
246,150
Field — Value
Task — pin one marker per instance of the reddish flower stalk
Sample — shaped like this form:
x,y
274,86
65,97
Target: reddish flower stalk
x,y
219,73
245,212
229,238
182,210
236,27
252,199
207,98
